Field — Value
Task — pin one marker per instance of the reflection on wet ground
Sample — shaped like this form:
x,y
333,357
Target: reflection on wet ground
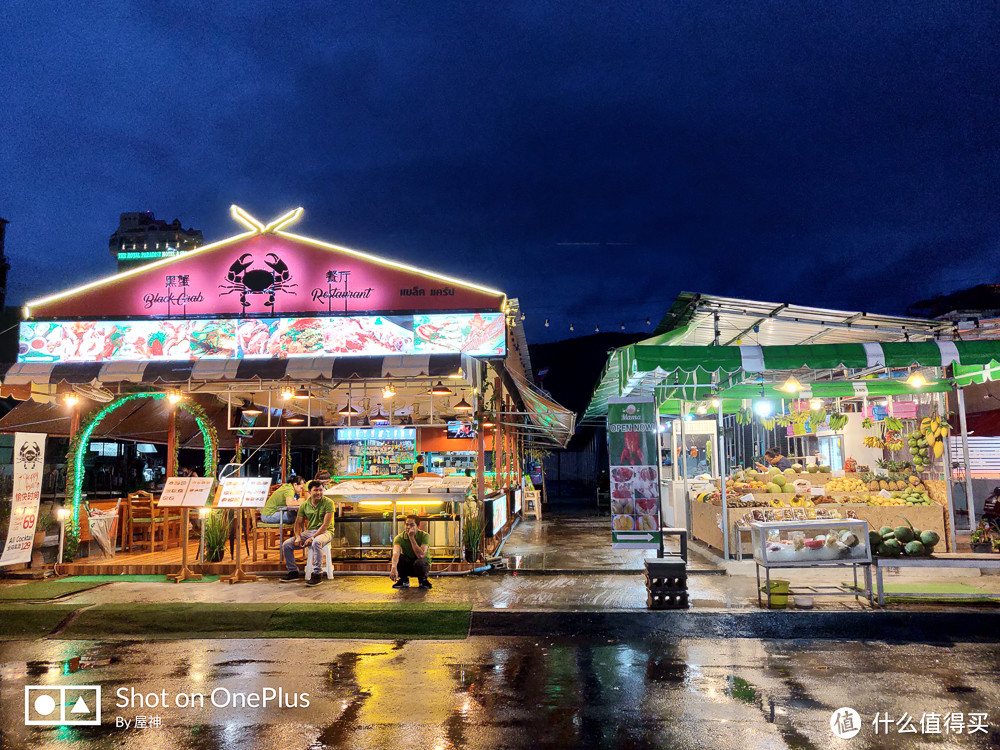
x,y
504,692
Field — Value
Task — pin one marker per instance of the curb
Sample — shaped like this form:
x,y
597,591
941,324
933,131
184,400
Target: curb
x,y
899,627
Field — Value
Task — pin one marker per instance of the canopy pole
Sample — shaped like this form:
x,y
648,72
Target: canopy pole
x,y
720,456
942,408
965,457
682,448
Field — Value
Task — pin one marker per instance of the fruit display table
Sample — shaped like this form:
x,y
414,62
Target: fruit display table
x,y
946,560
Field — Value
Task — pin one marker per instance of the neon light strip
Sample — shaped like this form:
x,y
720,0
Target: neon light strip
x,y
246,219
392,264
285,220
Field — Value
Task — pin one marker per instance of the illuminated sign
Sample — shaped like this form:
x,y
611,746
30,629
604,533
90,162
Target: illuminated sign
x,y
477,334
376,433
267,271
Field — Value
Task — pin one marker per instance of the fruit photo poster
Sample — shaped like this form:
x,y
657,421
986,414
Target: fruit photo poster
x,y
635,480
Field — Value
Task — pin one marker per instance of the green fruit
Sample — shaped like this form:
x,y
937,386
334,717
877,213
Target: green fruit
x,y
904,534
895,548
787,472
824,469
885,530
779,480
774,470
874,539
773,488
929,538
796,468
915,549
812,468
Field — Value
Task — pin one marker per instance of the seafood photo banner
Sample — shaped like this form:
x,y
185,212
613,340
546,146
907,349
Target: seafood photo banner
x,y
635,476
29,461
475,334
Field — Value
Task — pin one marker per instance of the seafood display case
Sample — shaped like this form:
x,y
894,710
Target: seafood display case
x,y
634,498
811,542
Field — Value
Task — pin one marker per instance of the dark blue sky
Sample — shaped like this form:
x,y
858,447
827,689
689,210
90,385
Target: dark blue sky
x,y
591,160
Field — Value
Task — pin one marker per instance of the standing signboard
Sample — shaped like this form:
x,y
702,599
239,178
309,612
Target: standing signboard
x,y
29,459
635,477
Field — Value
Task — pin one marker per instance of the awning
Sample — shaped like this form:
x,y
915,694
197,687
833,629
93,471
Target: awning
x,y
694,368
548,420
207,370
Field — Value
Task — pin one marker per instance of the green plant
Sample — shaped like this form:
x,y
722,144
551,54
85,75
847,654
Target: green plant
x,y
215,533
44,523
328,460
71,545
472,531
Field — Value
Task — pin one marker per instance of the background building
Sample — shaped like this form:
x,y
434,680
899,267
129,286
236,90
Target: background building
x,y
142,238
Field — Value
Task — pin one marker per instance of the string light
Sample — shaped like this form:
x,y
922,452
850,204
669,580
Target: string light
x,y
547,323
597,329
622,326
571,326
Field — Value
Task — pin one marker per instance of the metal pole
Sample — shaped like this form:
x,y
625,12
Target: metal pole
x,y
942,407
684,469
720,458
965,456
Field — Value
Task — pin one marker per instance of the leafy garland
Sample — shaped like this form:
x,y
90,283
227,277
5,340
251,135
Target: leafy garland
x,y
78,446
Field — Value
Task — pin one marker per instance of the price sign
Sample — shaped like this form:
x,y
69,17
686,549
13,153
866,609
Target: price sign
x,y
232,492
258,488
199,492
173,493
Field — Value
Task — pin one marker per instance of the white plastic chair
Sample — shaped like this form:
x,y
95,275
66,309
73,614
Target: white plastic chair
x,y
327,565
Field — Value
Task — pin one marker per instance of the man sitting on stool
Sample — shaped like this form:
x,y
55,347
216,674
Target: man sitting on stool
x,y
312,523
409,556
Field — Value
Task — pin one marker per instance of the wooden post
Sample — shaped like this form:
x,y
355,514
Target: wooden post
x,y
74,420
185,574
239,576
284,456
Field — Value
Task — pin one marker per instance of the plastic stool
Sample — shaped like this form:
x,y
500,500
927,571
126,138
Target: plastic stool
x,y
327,565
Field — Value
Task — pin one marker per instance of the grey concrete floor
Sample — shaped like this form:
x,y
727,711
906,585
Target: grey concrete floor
x,y
504,692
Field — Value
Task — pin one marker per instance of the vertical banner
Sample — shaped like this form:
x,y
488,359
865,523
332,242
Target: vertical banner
x,y
635,475
29,459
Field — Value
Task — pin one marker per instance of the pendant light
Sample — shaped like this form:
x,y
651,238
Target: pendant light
x,y
440,390
252,410
462,405
791,385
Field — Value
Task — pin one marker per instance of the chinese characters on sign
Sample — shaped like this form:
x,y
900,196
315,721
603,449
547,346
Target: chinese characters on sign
x,y
29,459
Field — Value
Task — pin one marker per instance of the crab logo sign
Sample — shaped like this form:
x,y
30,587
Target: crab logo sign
x,y
247,281
29,454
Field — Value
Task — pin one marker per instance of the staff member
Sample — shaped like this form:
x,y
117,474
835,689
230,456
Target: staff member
x,y
314,520
774,458
283,496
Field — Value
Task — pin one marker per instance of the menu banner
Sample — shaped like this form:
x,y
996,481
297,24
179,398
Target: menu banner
x,y
29,460
635,477
475,334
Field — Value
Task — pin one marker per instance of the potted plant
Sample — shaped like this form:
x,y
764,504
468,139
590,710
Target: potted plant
x,y
984,539
42,526
472,531
215,532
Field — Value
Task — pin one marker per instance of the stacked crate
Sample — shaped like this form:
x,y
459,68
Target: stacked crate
x,y
666,583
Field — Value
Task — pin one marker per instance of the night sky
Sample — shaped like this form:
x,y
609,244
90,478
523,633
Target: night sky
x,y
592,161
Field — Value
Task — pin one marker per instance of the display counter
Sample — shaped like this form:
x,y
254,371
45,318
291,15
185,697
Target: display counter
x,y
706,520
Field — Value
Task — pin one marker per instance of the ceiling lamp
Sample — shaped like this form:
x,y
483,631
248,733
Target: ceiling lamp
x,y
791,385
463,406
388,392
440,390
252,410
300,395
349,411
174,396
295,420
815,404
286,393
457,375
916,380
71,399
488,423
701,409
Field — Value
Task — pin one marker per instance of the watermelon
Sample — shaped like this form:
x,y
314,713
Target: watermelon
x,y
929,538
914,549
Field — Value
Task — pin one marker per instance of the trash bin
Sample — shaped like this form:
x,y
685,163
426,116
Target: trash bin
x,y
779,593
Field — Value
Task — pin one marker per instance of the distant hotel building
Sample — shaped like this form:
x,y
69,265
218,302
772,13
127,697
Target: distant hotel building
x,y
142,238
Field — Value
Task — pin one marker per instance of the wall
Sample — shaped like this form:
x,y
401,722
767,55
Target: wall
x,y
435,439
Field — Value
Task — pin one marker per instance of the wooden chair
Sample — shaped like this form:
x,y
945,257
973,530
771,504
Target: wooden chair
x,y
145,519
269,532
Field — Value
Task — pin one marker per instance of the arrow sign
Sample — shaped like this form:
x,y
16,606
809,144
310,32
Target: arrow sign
x,y
635,540
647,537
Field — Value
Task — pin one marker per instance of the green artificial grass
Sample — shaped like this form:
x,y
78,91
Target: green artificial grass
x,y
31,621
390,621
974,594
137,579
274,620
40,590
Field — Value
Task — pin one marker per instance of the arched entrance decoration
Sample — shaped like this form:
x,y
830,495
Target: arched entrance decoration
x,y
81,442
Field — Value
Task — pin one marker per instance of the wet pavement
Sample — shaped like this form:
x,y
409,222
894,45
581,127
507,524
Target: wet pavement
x,y
505,692
580,542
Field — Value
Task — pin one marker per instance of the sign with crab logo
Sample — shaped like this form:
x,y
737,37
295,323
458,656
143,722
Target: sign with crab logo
x,y
29,460
247,281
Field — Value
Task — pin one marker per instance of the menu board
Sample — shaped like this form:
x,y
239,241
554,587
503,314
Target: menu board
x,y
231,494
635,479
477,334
174,490
199,491
257,490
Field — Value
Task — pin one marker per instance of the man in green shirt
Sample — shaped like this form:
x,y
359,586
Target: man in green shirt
x,y
409,556
312,524
283,496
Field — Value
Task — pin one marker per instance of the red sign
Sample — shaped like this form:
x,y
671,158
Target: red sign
x,y
267,275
